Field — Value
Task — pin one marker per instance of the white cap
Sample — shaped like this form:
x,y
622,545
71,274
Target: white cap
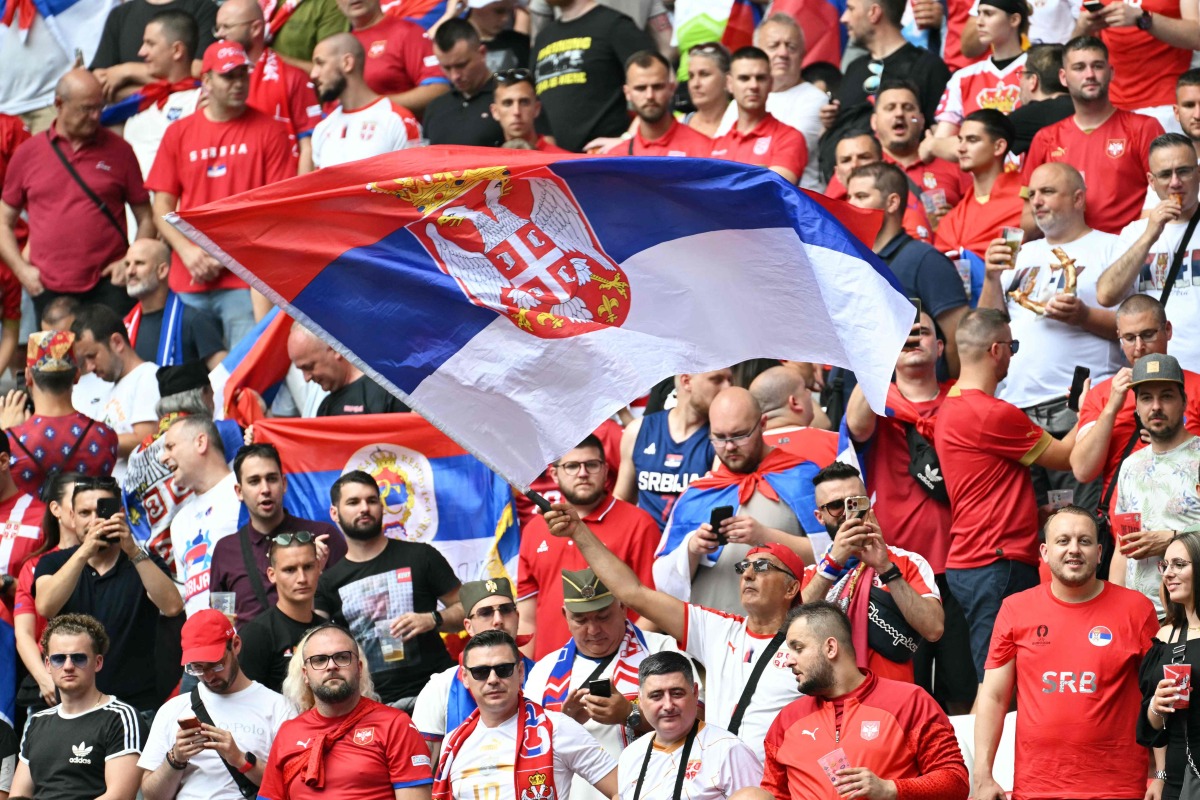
x,y
480,3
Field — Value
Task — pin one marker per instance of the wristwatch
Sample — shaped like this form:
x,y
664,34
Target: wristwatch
x,y
141,556
1160,775
251,761
1144,21
891,575
437,618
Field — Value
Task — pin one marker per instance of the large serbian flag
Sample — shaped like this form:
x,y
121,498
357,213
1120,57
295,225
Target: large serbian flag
x,y
517,299
432,490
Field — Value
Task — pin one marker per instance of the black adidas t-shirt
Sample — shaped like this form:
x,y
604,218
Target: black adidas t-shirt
x,y
66,755
268,641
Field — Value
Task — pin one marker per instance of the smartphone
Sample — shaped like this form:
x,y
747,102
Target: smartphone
x,y
600,688
1094,6
106,507
189,723
857,507
719,515
1081,375
916,301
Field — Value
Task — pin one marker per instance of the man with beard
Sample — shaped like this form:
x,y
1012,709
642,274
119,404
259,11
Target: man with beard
x,y
372,126
902,605
369,590
231,701
624,528
345,744
1157,482
1075,698
854,733
649,89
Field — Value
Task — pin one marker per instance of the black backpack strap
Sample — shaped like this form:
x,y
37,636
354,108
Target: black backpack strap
x,y
764,658
247,787
95,198
1177,261
1112,485
252,573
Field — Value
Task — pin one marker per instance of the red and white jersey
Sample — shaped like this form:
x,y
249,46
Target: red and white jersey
x,y
21,534
981,85
382,127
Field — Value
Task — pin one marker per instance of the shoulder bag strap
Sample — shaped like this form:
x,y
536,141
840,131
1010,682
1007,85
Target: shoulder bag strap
x,y
247,787
683,763
743,702
1112,485
1177,262
252,573
95,198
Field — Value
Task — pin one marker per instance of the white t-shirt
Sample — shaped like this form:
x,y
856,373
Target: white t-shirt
x,y
252,715
144,130
729,652
799,107
1050,349
1050,21
718,765
429,715
483,766
201,521
382,127
611,736
981,85
1184,307
132,400
90,394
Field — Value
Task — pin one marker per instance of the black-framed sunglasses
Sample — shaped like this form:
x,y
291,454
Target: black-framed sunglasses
x,y
514,75
505,609
342,658
297,537
1013,345
760,565
503,671
59,660
834,508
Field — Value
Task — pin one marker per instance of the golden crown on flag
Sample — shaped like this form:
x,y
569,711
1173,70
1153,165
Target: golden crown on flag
x,y
537,779
428,193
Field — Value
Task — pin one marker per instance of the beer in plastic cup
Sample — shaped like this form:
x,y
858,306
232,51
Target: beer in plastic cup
x,y
391,646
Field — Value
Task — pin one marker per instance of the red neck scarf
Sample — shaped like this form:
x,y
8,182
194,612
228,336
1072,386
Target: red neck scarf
x,y
157,92
748,483
905,410
854,597
309,764
534,771
23,8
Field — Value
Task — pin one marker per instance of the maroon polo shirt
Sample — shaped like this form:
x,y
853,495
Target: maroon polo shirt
x,y
70,239
229,567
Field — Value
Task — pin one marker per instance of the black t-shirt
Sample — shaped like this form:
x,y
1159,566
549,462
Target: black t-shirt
x,y
118,599
123,30
202,336
267,644
8,755
454,119
579,82
363,396
66,755
357,594
508,50
1030,119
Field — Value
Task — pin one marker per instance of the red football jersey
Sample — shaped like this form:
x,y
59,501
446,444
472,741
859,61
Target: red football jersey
x,y
399,57
279,90
769,144
1145,69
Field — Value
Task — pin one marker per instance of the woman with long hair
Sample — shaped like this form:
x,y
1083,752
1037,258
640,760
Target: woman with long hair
x,y
708,66
58,533
1161,724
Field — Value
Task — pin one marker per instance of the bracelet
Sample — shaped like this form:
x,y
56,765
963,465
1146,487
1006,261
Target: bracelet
x,y
1160,775
176,765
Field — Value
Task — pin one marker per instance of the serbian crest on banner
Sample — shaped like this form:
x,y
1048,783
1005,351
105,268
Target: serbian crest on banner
x,y
520,246
405,479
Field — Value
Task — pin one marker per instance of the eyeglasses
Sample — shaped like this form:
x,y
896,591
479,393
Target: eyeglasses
x,y
221,27
199,668
1179,172
502,671
761,565
515,75
321,660
834,508
504,609
298,537
59,660
1146,337
1175,565
871,84
737,440
1013,346
572,467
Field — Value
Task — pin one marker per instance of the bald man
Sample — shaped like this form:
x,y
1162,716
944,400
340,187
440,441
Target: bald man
x,y
350,391
786,402
775,505
1069,321
986,447
364,124
161,327
74,244
276,88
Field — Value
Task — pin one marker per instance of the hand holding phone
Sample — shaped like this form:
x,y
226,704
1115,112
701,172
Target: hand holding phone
x,y
189,723
1094,6
1081,375
600,688
719,515
857,507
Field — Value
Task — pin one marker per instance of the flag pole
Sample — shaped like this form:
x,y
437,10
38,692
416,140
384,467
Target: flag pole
x,y
538,500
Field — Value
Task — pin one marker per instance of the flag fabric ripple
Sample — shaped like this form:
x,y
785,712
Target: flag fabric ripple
x,y
516,299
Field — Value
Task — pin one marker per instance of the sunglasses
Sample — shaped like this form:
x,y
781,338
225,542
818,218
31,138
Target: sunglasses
x,y
761,565
321,661
505,609
835,508
871,84
516,75
502,671
59,660
1013,346
299,537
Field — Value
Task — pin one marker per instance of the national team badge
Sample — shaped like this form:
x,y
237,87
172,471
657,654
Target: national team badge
x,y
520,246
869,731
673,461
377,48
1115,148
761,146
364,736
1100,636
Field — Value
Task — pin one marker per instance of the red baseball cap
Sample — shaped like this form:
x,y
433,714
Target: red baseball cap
x,y
224,57
206,634
784,554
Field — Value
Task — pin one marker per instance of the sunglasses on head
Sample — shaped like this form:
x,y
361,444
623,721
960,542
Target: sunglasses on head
x,y
502,671
298,537
515,75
